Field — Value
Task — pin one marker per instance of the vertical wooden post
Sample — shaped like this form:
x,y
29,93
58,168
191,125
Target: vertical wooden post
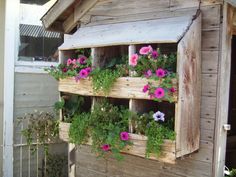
x,y
71,160
132,102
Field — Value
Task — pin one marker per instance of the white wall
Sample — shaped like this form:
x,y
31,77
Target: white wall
x,y
31,14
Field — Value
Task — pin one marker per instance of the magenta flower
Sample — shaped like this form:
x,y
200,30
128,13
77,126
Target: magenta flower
x,y
124,136
148,73
106,147
69,62
88,69
82,60
146,88
146,50
64,70
155,54
159,93
133,60
160,73
172,89
83,73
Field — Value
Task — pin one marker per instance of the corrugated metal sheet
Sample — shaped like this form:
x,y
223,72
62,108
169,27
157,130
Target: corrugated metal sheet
x,y
37,31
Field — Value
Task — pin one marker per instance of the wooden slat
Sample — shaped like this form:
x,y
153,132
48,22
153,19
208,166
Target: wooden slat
x,y
183,4
51,16
168,30
210,62
211,16
210,40
209,84
187,119
124,87
208,107
139,149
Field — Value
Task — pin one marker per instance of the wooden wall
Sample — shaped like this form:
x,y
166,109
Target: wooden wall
x,y
32,92
2,15
198,164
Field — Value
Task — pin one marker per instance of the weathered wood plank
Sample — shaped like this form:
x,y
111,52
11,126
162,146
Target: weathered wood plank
x,y
211,2
187,120
223,90
208,107
183,4
210,61
207,124
211,16
209,84
168,30
124,87
55,12
210,40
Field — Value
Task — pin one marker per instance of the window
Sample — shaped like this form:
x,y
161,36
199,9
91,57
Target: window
x,y
36,45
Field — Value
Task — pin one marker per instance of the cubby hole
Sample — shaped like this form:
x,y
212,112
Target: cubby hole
x,y
124,103
108,57
74,54
74,104
144,107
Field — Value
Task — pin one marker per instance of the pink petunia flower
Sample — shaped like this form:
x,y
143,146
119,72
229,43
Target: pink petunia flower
x,y
172,89
155,54
69,62
74,61
159,93
148,73
146,50
124,136
146,88
133,60
83,73
106,147
160,73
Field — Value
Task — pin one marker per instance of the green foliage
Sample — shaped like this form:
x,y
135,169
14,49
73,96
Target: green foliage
x,y
155,131
56,165
233,173
103,126
78,132
156,134
104,79
42,128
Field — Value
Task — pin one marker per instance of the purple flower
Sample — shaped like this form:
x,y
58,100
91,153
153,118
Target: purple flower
x,y
155,54
106,147
159,116
148,73
82,60
159,93
146,88
83,73
160,72
124,136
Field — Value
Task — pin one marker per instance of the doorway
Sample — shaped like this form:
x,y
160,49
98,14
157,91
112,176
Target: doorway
x,y
231,135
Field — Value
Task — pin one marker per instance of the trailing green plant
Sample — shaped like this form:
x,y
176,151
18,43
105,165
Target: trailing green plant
x,y
107,127
42,129
104,79
156,128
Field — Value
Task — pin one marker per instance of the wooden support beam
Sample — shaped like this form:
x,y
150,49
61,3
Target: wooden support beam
x,y
58,8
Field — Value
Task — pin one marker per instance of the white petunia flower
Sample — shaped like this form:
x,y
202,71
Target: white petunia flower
x,y
159,116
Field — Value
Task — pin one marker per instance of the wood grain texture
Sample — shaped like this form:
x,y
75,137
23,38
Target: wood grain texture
x,y
187,118
124,87
209,84
168,30
210,61
210,40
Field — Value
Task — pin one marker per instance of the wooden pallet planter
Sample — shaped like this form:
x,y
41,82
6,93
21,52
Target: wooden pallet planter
x,y
138,148
124,87
185,40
